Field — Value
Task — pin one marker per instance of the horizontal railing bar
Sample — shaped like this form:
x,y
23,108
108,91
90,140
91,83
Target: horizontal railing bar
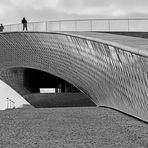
x,y
71,20
98,19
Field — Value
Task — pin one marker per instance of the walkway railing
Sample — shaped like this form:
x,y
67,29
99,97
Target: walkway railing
x,y
84,25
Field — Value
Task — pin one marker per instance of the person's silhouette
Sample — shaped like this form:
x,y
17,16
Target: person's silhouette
x,y
1,28
24,22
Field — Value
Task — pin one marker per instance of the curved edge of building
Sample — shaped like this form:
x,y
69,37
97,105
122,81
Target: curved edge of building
x,y
110,75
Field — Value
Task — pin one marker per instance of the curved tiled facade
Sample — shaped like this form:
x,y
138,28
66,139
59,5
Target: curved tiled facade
x,y
110,73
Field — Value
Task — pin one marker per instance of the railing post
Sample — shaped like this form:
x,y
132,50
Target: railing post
x,y
10,28
46,25
18,27
59,25
75,25
90,25
33,27
10,104
108,25
7,103
128,25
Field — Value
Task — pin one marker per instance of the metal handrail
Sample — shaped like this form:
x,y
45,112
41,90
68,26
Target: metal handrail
x,y
84,25
95,19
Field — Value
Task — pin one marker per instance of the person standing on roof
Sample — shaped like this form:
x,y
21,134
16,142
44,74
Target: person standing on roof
x,y
24,22
1,28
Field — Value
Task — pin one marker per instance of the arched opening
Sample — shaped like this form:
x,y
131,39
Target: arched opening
x,y
35,80
29,82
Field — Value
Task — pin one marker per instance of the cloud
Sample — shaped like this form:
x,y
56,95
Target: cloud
x,y
101,8
35,4
12,11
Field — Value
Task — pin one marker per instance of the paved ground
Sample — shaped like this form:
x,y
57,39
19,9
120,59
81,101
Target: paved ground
x,y
90,127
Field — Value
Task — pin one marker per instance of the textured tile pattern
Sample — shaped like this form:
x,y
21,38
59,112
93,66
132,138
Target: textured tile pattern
x,y
108,74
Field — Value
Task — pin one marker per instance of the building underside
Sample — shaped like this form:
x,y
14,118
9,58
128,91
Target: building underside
x,y
111,70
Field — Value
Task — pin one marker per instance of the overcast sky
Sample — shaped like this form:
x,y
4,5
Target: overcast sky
x,y
12,11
